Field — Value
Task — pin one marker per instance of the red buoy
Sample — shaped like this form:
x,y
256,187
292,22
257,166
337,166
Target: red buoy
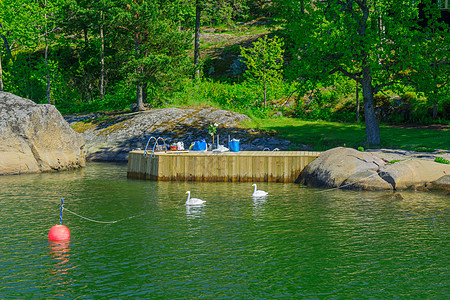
x,y
59,233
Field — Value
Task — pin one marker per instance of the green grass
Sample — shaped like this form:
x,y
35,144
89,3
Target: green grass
x,y
321,135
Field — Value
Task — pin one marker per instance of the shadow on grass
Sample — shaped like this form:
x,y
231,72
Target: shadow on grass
x,y
326,135
320,136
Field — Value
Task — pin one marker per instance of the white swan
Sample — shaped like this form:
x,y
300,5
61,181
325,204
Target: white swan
x,y
193,201
258,193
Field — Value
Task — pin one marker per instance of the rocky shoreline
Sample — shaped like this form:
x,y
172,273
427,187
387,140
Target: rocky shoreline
x,y
36,138
110,137
384,169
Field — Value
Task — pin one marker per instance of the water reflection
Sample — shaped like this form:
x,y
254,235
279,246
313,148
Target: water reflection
x,y
60,251
194,211
296,243
259,207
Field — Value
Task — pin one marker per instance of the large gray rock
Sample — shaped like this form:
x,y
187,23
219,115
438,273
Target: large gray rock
x,y
415,174
36,138
351,169
111,137
442,183
390,155
346,168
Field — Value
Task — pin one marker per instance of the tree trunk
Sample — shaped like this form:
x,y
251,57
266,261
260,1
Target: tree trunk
x,y
265,92
434,104
140,101
145,93
46,55
29,86
372,127
197,38
48,71
102,60
357,102
139,94
86,38
8,52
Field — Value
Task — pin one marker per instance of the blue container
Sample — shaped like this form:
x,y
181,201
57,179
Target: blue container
x,y
234,145
199,146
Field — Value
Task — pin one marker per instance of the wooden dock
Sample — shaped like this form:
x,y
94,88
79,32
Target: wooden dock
x,y
243,166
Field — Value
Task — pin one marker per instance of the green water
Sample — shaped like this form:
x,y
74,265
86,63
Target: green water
x,y
298,243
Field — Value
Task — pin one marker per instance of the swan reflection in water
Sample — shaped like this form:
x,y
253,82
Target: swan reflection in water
x,y
259,207
194,211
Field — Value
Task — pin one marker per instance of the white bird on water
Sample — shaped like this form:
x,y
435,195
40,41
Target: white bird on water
x,y
258,193
193,201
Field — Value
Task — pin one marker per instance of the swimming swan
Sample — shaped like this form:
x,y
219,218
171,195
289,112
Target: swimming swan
x,y
193,201
258,193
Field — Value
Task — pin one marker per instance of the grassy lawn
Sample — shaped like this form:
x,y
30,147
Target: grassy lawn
x,y
322,135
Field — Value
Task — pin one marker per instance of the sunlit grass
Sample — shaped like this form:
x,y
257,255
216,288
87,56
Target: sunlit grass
x,y
321,135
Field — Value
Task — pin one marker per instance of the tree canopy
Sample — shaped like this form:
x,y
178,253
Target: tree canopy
x,y
376,43
107,54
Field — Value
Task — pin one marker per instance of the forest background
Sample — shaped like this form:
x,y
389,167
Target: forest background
x,y
348,61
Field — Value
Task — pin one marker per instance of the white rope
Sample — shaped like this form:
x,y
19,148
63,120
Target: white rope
x,y
103,222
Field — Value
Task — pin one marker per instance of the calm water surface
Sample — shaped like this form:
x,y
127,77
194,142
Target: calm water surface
x,y
296,243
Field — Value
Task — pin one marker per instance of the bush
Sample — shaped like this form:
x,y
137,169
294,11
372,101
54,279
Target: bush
x,y
442,160
325,105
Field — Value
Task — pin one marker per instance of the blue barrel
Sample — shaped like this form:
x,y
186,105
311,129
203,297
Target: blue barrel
x,y
199,146
234,145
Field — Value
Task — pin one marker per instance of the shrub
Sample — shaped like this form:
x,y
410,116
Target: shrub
x,y
442,160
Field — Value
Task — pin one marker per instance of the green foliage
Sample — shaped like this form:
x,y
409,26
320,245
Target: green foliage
x,y
361,149
212,128
442,160
409,107
239,97
395,161
325,104
264,63
226,12
153,49
432,73
350,38
423,149
338,104
162,66
142,46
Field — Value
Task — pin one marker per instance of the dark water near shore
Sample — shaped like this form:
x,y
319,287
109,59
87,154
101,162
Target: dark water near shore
x,y
297,243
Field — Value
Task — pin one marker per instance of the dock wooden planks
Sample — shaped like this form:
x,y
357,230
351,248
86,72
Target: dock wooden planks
x,y
244,166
